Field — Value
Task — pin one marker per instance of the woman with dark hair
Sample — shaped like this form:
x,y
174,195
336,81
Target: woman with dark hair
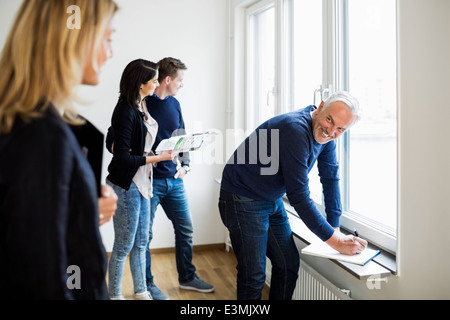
x,y
130,175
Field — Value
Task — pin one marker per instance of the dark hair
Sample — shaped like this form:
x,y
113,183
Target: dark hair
x,y
136,73
169,67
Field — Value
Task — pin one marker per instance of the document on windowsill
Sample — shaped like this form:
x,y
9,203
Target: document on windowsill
x,y
321,249
184,143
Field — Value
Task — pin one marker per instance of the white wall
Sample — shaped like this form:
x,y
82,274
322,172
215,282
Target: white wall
x,y
424,152
154,29
195,32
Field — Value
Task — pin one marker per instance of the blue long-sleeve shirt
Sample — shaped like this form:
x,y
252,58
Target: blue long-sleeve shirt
x,y
167,112
276,160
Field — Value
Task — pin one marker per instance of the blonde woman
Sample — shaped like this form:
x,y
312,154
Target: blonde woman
x,y
50,242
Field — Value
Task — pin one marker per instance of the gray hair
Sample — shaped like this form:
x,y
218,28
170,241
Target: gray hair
x,y
345,97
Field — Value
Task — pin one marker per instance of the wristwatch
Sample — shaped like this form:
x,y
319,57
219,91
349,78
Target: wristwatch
x,y
187,168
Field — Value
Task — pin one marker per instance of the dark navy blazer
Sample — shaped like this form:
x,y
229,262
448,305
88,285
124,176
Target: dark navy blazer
x,y
50,242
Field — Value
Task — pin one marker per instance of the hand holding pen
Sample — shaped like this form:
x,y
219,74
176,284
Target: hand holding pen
x,y
357,238
346,244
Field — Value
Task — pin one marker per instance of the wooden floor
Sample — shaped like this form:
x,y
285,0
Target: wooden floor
x,y
214,265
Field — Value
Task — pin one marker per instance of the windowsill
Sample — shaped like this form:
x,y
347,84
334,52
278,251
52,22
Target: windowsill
x,y
383,265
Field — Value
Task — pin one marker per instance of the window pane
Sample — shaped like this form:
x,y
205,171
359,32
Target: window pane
x,y
372,79
307,65
307,56
264,65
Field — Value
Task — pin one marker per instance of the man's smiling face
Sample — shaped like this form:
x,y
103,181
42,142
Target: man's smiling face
x,y
329,123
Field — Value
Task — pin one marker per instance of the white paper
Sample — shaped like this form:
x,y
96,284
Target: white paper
x,y
321,249
182,143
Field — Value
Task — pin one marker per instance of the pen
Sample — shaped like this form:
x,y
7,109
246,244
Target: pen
x,y
355,232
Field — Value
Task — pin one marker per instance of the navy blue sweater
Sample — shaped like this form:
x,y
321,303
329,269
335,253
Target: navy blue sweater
x,y
276,159
167,113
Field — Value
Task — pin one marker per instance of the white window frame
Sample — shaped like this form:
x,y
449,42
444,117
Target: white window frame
x,y
334,79
373,231
258,7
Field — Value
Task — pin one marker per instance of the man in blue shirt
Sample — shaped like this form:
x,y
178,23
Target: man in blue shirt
x,y
275,160
168,187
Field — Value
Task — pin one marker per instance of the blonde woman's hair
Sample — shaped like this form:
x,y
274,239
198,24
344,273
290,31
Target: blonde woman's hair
x,y
43,59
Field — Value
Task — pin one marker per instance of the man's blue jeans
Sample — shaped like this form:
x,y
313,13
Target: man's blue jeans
x,y
259,229
171,195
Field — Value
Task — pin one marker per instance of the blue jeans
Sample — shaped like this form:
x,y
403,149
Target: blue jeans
x,y
171,195
131,223
259,229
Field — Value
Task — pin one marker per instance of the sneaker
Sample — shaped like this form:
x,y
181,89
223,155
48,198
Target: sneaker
x,y
118,298
197,284
156,293
143,296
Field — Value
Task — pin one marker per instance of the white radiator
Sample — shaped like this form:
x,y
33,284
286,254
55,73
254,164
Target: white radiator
x,y
311,285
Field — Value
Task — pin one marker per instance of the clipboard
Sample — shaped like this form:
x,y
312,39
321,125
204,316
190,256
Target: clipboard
x,y
183,143
91,143
321,249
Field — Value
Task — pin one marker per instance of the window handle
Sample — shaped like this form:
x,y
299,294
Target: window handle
x,y
324,94
270,92
319,90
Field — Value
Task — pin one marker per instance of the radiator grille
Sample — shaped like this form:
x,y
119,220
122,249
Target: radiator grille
x,y
313,286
